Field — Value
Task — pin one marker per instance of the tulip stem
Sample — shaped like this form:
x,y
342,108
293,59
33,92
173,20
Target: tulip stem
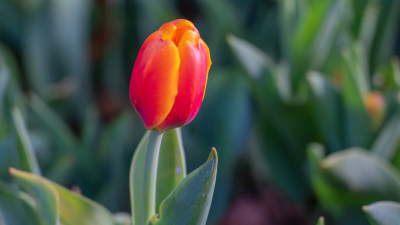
x,y
150,174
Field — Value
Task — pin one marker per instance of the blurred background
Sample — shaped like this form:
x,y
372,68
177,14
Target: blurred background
x,y
302,101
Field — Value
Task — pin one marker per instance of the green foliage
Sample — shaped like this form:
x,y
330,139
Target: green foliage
x,y
189,203
383,213
178,197
56,204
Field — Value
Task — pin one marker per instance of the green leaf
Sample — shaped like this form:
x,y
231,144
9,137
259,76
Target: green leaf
x,y
387,142
58,205
136,181
4,77
14,210
321,221
324,41
385,34
349,179
308,27
368,24
358,126
61,133
27,158
190,201
252,58
45,195
325,103
383,213
171,164
363,174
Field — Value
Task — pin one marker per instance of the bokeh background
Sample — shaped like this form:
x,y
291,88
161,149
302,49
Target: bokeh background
x,y
302,101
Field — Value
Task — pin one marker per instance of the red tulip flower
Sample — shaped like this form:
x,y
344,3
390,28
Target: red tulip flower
x,y
169,78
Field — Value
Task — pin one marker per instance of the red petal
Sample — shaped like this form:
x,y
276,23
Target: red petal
x,y
154,80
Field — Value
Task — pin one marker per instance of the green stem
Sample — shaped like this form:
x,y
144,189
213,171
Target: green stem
x,y
150,174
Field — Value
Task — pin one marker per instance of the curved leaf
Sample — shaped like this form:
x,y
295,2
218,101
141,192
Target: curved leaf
x,y
26,155
383,213
190,201
46,196
58,205
171,165
363,174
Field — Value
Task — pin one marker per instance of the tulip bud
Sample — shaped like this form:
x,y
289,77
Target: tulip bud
x,y
169,77
376,107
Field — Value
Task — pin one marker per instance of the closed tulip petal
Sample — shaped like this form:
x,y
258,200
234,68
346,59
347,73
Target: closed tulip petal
x,y
170,75
191,83
205,64
154,82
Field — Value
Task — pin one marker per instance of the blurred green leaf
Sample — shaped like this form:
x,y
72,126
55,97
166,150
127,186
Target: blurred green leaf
x,y
56,127
59,205
383,213
87,143
325,105
384,41
388,140
308,27
15,211
321,221
358,126
324,41
347,180
190,201
252,58
172,164
369,24
322,188
26,155
4,77
363,174
6,159
115,141
45,194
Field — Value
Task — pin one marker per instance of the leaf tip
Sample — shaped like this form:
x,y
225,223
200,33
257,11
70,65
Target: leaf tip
x,y
11,170
213,154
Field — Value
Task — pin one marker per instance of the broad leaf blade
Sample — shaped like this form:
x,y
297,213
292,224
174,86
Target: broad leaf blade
x,y
190,201
46,196
383,213
171,165
61,206
363,174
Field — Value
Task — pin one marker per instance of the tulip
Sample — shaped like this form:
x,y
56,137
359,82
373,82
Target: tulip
x,y
376,107
169,77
